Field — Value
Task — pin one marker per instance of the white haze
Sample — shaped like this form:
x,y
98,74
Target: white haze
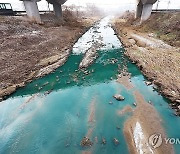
x,y
108,6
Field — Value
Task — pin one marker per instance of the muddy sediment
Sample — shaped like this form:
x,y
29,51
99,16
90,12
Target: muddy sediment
x,y
30,51
89,57
124,80
125,110
141,126
91,120
143,123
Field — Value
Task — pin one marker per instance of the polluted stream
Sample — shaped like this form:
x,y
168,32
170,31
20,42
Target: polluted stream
x,y
55,112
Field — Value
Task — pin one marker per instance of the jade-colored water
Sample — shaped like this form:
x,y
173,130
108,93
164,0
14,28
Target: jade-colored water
x,y
53,114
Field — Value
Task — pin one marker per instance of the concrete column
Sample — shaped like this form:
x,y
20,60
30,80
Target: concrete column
x,y
57,10
32,10
139,10
146,12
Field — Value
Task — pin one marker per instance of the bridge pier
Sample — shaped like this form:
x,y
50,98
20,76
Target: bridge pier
x,y
57,10
144,9
146,12
139,10
32,10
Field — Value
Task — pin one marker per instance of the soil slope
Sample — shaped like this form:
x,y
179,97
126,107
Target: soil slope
x,y
28,47
159,61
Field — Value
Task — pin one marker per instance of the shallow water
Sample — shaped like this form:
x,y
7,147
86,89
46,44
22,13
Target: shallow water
x,y
54,113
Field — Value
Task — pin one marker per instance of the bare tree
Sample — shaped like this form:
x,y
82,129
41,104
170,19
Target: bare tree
x,y
92,9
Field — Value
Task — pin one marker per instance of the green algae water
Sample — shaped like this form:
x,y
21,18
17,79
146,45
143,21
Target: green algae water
x,y
54,113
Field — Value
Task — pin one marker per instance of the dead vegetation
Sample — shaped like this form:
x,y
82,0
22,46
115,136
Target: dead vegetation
x,y
166,26
159,61
167,29
70,19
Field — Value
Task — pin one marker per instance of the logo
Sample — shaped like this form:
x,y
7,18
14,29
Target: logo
x,y
155,140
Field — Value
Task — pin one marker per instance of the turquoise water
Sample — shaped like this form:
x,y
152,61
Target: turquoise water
x,y
54,113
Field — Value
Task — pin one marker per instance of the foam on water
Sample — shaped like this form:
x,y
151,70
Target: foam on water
x,y
100,33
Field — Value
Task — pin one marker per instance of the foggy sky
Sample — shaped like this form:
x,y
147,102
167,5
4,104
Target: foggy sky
x,y
120,5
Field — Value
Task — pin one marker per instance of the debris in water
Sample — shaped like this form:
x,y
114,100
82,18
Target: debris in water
x,y
48,92
150,102
45,84
103,141
118,127
119,97
155,87
113,60
148,83
110,102
39,88
119,76
86,142
175,114
96,31
133,62
68,82
67,145
135,104
86,72
115,140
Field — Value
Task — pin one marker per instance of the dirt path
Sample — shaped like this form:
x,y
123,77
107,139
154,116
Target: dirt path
x,y
158,61
29,50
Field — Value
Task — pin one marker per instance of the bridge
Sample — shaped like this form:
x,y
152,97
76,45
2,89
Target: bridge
x,y
143,11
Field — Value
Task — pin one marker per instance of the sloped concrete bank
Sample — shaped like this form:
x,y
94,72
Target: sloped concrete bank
x,y
46,65
158,61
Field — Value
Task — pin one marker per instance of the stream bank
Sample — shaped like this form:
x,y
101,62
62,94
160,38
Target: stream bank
x,y
158,61
30,51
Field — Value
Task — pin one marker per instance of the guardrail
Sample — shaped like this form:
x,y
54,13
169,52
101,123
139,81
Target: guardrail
x,y
166,10
19,13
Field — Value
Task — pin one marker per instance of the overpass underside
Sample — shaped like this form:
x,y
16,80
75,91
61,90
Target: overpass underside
x,y
143,11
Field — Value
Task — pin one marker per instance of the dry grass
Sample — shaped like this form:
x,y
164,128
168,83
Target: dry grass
x,y
159,64
166,26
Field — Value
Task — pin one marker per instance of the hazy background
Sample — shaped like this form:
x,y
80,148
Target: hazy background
x,y
107,6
